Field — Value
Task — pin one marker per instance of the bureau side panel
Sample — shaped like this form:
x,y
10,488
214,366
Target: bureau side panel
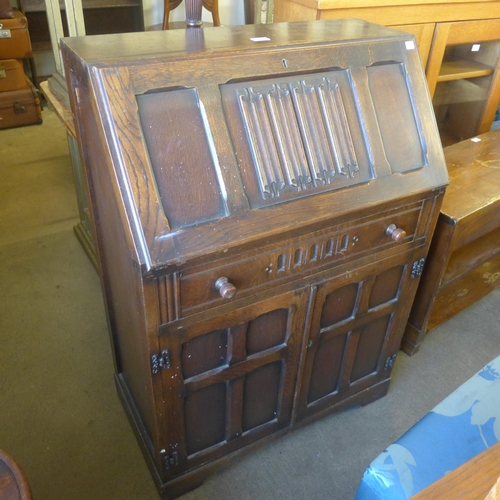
x,y
128,300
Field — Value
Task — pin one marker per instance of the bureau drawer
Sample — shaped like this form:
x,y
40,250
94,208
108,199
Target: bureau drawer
x,y
301,256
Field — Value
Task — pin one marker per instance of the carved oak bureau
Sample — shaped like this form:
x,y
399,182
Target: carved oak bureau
x,y
263,199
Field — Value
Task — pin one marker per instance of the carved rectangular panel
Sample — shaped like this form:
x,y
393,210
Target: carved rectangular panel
x,y
182,157
297,136
397,116
251,353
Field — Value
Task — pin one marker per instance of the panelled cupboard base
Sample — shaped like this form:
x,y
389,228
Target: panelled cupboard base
x,y
261,229
178,486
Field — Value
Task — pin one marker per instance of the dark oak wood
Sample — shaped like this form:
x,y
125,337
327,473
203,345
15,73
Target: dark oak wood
x,y
464,258
262,200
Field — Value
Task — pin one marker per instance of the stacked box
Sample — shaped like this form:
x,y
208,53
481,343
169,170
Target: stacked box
x,y
19,99
12,75
20,107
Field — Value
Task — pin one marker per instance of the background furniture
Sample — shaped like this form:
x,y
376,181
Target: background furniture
x,y
464,77
255,10
56,92
83,230
258,247
19,99
465,83
193,17
15,42
456,446
464,259
100,17
474,479
13,483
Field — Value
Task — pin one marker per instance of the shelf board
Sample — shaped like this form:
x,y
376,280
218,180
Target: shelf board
x,y
458,91
463,68
463,292
471,256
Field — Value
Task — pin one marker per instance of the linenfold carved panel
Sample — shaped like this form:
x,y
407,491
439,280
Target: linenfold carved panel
x,y
300,135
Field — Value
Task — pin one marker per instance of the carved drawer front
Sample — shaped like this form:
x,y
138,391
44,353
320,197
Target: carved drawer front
x,y
217,371
307,255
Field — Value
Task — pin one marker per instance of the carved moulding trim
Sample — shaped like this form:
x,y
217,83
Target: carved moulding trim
x,y
298,133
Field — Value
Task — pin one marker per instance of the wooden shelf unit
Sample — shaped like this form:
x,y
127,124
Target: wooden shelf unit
x,y
445,31
463,264
472,256
101,17
463,77
458,91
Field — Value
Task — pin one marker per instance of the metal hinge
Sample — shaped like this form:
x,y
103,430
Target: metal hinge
x,y
418,267
389,362
159,361
169,461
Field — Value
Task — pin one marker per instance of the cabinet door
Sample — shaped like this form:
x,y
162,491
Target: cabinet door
x,y
231,379
357,324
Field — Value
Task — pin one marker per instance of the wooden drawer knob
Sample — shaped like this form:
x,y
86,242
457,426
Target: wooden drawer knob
x,y
226,289
396,233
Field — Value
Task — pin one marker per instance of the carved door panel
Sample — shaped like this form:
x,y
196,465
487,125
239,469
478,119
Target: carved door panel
x,y
231,379
356,328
